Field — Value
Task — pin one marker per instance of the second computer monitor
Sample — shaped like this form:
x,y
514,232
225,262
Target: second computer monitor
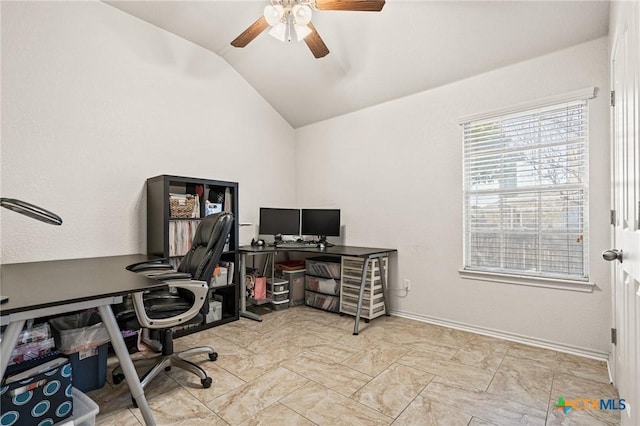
x,y
321,222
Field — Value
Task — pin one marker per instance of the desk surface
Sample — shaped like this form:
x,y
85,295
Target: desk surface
x,y
334,250
36,285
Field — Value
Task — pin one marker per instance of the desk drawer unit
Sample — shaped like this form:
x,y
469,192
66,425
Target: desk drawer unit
x,y
278,292
373,299
295,278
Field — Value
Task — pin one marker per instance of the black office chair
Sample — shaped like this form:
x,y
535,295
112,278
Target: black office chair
x,y
185,302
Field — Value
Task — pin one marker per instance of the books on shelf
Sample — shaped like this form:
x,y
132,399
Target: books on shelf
x,y
181,233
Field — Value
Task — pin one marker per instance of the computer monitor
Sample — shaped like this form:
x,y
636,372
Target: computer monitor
x,y
279,222
321,222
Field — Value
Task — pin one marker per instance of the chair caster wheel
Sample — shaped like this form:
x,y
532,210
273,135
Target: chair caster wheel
x,y
206,383
167,368
213,356
118,378
341,314
133,401
366,321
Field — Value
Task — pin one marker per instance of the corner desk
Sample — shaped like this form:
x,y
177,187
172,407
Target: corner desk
x,y
367,253
41,289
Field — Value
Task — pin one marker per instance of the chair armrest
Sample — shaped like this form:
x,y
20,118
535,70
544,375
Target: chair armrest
x,y
159,263
167,276
199,290
152,266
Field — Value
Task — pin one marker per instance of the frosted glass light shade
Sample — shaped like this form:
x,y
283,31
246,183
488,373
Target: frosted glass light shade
x,y
301,31
273,14
279,31
301,14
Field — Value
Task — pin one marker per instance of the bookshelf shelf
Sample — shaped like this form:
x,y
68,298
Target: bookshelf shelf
x,y
171,237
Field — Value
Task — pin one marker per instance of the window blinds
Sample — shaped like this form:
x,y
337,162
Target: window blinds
x,y
525,192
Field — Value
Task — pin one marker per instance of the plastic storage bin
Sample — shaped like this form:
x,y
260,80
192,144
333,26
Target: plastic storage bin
x,y
220,277
277,285
323,285
78,332
84,409
90,368
215,311
325,302
278,306
278,297
84,339
296,284
323,266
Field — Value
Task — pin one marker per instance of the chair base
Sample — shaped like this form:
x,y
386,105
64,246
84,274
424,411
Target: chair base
x,y
162,362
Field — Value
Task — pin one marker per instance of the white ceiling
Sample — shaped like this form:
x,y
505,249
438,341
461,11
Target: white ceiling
x,y
410,46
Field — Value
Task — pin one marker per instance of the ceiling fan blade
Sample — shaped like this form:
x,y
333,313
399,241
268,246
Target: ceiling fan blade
x,y
355,5
315,43
250,33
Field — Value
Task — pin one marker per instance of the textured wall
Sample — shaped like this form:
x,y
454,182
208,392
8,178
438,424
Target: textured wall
x,y
395,170
95,101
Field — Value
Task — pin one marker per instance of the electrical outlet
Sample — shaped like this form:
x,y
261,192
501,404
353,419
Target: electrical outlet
x,y
407,284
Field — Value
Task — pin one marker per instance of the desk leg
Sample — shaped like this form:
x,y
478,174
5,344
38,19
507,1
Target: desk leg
x,y
243,291
363,282
109,321
8,343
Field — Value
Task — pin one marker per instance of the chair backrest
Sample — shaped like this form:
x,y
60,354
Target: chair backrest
x,y
207,246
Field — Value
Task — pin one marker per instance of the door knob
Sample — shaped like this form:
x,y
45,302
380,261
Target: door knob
x,y
613,254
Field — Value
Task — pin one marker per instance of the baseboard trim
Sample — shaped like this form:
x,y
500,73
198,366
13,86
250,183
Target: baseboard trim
x,y
527,340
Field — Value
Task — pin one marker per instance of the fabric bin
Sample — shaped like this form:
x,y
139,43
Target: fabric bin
x,y
43,395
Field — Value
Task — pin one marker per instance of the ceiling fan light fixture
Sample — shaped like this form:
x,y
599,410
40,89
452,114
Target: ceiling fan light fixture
x,y
301,14
279,31
301,31
273,14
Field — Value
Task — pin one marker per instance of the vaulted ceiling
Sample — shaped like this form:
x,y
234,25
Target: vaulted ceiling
x,y
408,47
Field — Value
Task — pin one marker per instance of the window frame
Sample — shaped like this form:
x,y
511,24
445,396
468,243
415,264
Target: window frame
x,y
510,276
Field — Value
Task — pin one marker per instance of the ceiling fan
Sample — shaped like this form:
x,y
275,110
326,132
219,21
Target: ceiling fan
x,y
293,17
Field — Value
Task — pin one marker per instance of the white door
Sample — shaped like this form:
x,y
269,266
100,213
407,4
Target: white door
x,y
626,203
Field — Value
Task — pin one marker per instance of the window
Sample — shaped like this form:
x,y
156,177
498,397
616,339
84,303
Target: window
x,y
525,192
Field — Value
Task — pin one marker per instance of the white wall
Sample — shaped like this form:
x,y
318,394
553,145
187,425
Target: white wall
x,y
95,101
395,170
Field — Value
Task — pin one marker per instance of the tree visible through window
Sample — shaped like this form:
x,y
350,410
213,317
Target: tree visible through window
x,y
525,192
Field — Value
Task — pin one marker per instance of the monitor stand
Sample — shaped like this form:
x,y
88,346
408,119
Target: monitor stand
x,y
323,240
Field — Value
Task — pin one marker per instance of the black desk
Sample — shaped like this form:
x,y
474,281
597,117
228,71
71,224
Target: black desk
x,y
40,289
367,253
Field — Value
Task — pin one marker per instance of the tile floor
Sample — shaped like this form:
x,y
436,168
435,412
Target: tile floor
x,y
302,366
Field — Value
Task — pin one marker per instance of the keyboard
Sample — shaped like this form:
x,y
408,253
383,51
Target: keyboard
x,y
295,244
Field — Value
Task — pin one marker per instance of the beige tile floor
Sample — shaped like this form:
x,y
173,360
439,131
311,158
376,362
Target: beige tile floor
x,y
302,366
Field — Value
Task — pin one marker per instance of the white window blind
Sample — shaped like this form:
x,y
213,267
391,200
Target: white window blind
x,y
525,192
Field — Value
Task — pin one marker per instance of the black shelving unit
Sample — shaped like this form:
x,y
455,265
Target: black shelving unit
x,y
159,222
